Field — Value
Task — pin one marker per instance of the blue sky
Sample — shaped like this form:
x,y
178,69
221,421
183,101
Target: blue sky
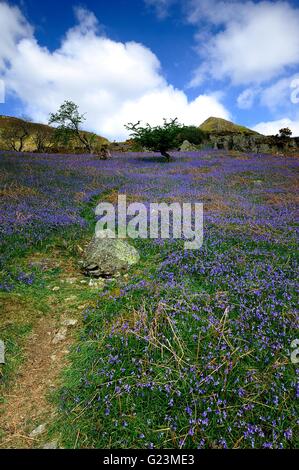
x,y
125,60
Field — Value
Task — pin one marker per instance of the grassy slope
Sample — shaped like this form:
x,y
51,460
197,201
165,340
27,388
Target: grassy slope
x,y
137,363
7,121
219,125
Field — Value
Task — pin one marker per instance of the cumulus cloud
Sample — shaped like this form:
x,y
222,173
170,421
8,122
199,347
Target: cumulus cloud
x,y
252,42
13,28
273,127
112,82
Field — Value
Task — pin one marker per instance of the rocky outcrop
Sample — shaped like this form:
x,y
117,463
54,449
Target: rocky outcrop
x,y
253,143
226,135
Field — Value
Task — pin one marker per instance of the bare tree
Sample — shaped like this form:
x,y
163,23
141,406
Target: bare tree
x,y
42,138
16,134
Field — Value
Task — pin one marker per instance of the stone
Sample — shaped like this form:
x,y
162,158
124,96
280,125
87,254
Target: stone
x,y
56,289
69,322
38,431
188,147
60,336
96,284
107,257
2,352
51,445
254,143
71,280
72,298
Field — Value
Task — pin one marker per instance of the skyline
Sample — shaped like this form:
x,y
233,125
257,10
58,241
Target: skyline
x,y
146,60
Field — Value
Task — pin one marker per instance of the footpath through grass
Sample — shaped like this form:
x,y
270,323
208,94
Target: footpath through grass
x,y
41,288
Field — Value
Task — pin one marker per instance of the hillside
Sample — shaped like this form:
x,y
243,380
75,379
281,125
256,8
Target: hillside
x,y
223,134
7,122
183,339
222,126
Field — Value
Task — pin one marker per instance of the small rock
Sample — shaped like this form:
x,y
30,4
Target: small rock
x,y
38,431
81,307
72,298
98,284
51,445
53,357
55,289
71,280
70,322
2,352
60,336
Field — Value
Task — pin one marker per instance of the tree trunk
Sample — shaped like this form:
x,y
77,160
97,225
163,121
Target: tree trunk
x,y
166,155
21,145
85,142
22,140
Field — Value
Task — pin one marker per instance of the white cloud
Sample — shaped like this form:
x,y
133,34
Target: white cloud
x,y
161,6
246,99
112,82
273,127
13,27
279,94
253,42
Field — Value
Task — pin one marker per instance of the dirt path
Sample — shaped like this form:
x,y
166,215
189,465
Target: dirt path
x,y
26,405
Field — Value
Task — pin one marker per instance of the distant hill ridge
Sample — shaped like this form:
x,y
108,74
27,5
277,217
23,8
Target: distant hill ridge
x,y
214,125
7,121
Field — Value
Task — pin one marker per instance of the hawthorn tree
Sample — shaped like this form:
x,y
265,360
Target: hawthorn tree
x,y
285,132
164,138
69,120
159,138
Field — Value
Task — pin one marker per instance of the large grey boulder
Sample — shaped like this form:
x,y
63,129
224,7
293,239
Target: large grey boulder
x,y
107,257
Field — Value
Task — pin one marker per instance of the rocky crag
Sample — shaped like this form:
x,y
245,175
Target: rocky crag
x,y
222,134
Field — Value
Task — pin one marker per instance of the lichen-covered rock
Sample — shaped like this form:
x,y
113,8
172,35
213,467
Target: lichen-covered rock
x,y
106,257
188,147
254,143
